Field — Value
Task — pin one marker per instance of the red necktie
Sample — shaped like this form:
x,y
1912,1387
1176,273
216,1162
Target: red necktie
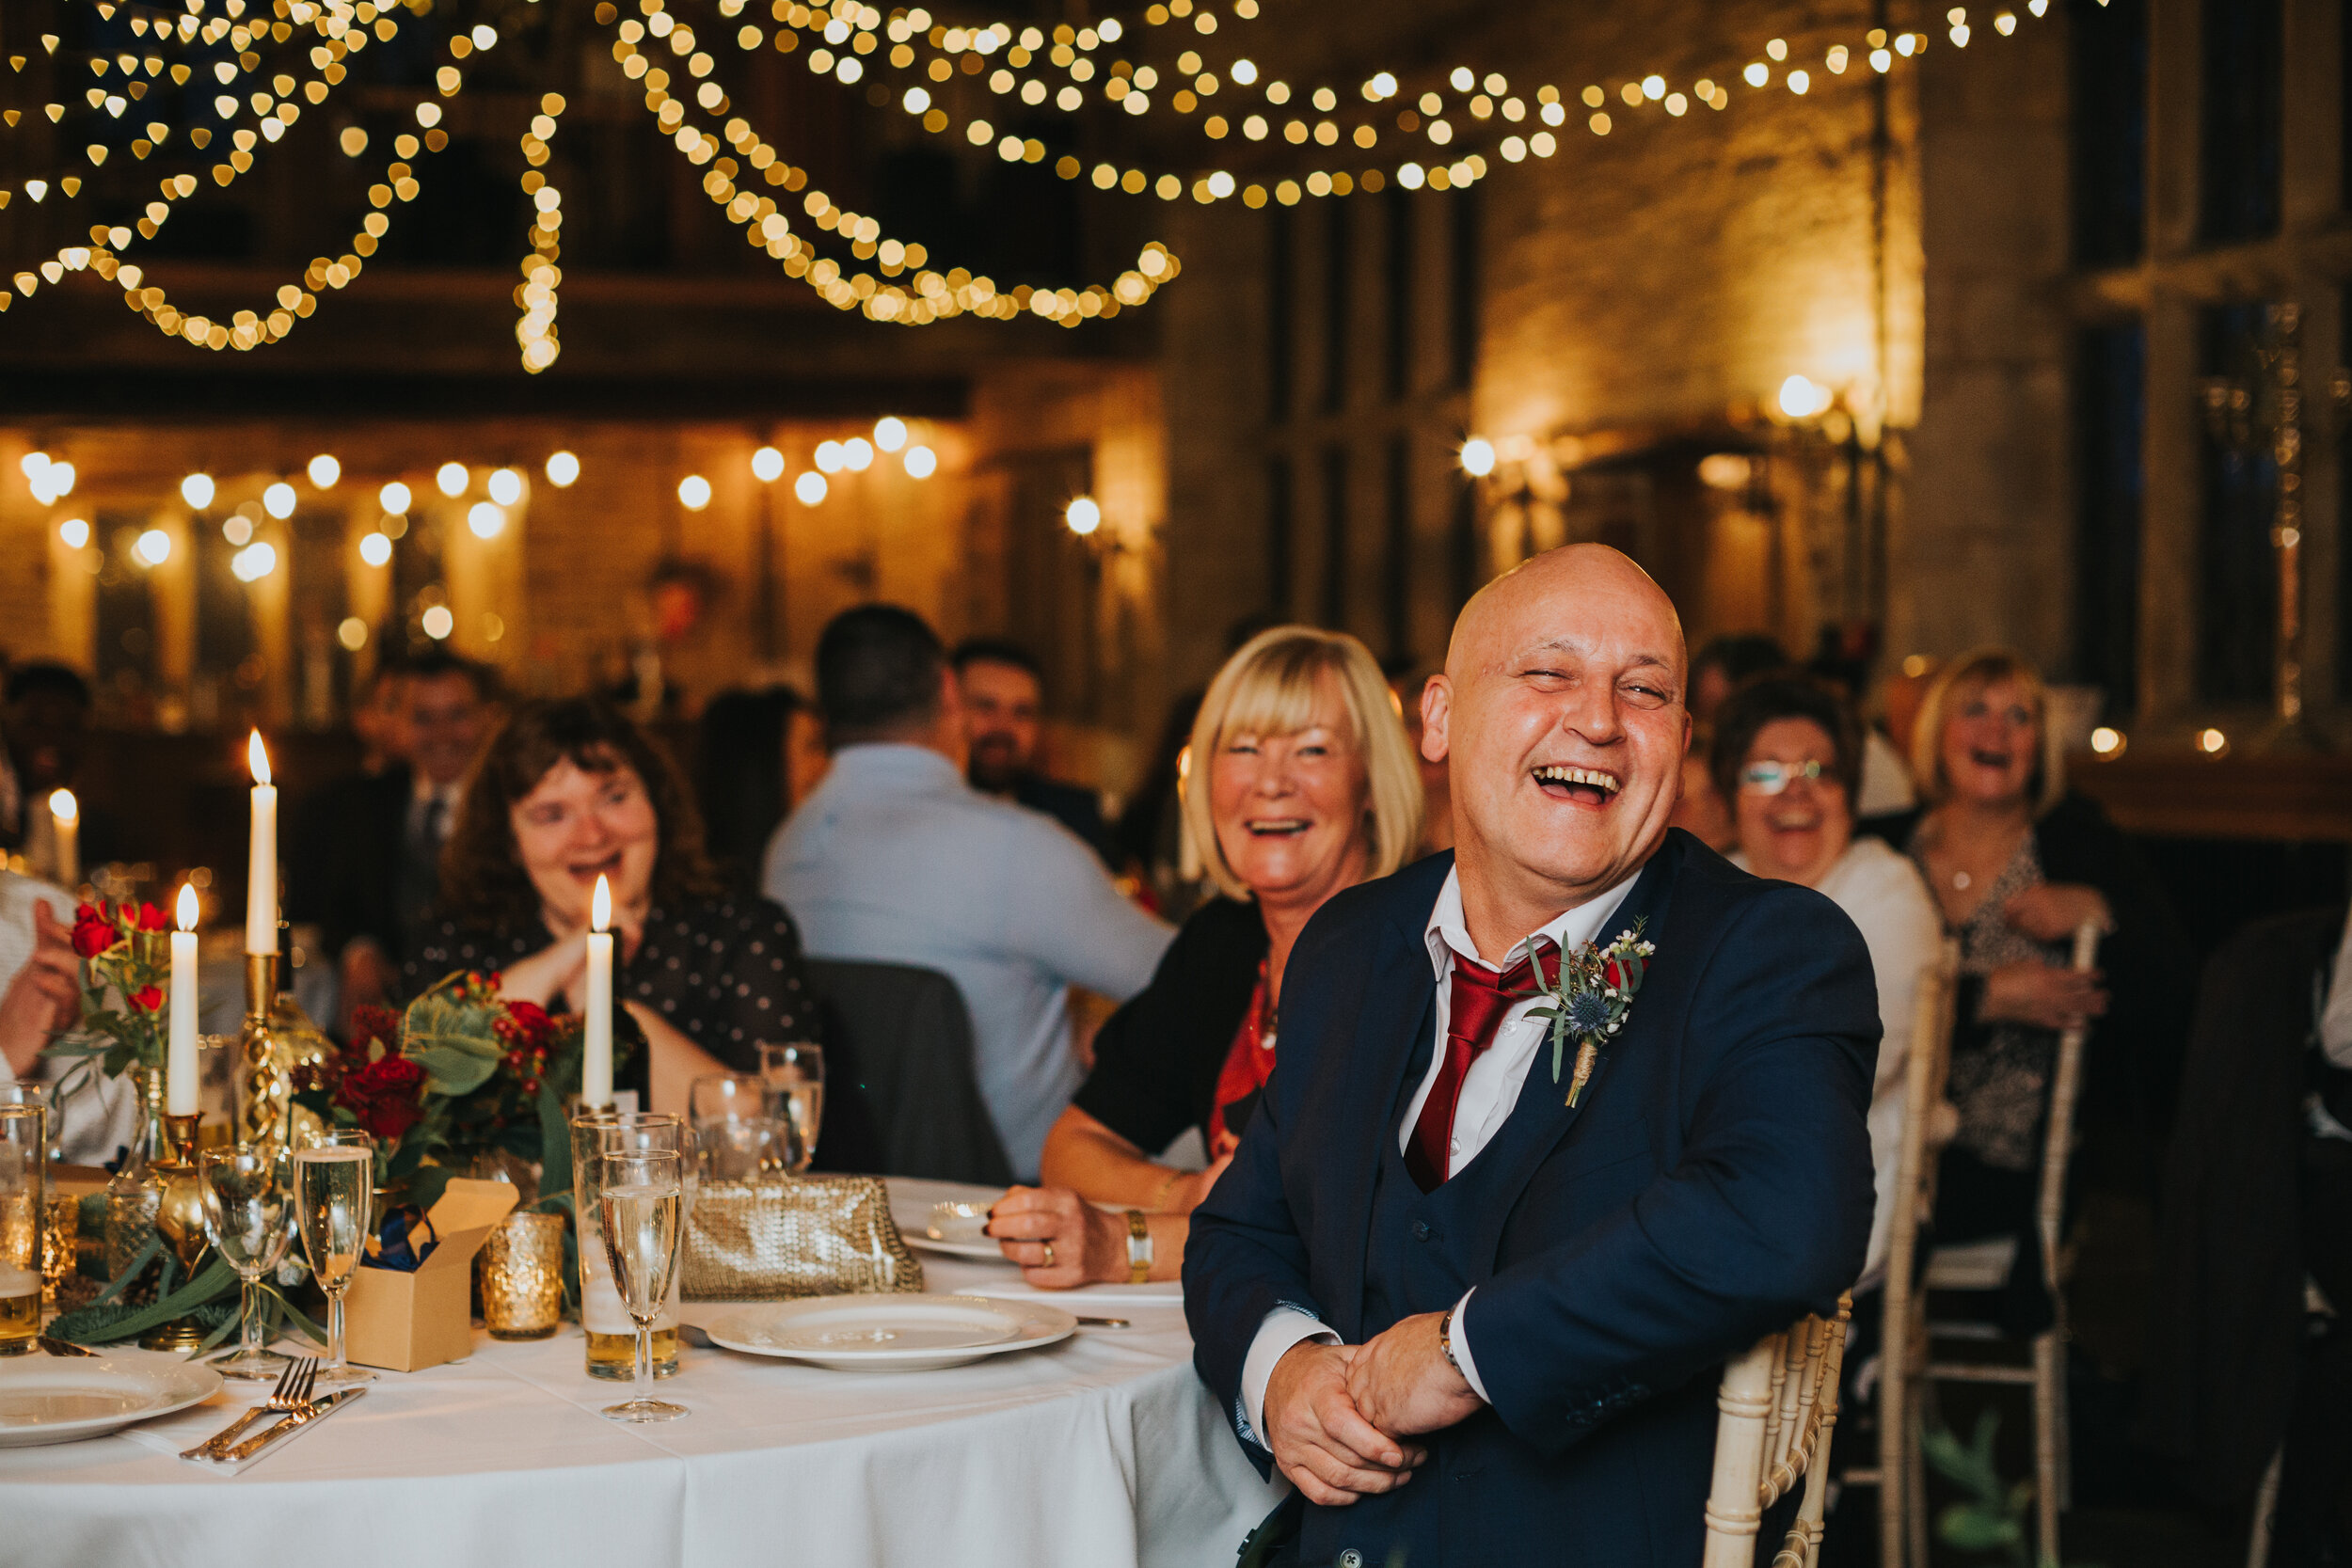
x,y
1480,999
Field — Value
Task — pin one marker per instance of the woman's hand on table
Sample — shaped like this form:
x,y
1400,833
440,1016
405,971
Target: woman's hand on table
x,y
551,972
1088,1245
2043,995
2055,910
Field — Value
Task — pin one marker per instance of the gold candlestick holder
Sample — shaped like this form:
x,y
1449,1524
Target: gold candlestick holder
x,y
179,1221
261,1120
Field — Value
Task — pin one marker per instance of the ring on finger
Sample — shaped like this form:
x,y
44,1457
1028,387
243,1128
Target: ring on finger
x,y
1049,1253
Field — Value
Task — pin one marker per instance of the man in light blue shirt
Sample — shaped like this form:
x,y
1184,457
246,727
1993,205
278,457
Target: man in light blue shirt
x,y
895,859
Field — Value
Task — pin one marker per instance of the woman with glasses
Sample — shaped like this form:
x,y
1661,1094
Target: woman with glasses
x,y
1787,757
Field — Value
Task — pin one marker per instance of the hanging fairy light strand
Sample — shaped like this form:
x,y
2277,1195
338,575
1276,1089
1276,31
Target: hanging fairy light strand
x,y
535,332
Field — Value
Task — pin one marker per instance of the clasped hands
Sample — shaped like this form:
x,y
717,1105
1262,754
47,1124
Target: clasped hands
x,y
1337,1416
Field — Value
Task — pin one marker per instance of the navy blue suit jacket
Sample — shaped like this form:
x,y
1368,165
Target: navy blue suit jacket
x,y
1713,1184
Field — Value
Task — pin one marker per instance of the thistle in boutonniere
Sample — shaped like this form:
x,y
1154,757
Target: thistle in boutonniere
x,y
1590,998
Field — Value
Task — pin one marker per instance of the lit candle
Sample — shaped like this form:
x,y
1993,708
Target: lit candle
x,y
179,1062
260,881
595,1066
65,817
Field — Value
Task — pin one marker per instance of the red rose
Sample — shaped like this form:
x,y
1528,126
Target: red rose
x,y
148,997
150,918
525,1024
371,1023
385,1096
93,933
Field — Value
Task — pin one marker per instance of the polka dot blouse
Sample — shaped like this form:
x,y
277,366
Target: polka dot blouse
x,y
725,973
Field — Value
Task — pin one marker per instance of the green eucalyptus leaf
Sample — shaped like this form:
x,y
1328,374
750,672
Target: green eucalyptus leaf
x,y
454,1041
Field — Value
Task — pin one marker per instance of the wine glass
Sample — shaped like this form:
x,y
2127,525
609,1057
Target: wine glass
x,y
641,1204
246,1214
740,1150
795,1073
726,1096
335,1208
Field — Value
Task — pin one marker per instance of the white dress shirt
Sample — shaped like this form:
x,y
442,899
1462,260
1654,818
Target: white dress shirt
x,y
1490,1092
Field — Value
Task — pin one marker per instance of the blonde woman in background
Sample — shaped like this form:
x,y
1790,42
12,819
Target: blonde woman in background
x,y
1299,783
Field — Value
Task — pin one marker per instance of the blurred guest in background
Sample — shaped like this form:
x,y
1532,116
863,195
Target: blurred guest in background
x,y
40,996
376,865
570,791
1004,706
2016,863
379,719
1309,786
1716,670
1788,756
44,720
895,859
758,753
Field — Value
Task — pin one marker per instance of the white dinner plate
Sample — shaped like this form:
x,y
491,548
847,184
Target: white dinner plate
x,y
987,1252
890,1333
63,1399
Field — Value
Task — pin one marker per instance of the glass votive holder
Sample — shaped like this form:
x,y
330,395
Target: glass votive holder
x,y
522,1278
57,1253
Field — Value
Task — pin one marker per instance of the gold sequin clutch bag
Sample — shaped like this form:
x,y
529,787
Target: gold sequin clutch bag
x,y
779,1237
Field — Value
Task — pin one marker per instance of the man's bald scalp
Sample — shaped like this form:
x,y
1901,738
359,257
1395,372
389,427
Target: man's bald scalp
x,y
1540,572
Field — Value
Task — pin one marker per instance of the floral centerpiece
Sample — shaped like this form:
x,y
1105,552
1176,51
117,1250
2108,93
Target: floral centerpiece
x,y
126,951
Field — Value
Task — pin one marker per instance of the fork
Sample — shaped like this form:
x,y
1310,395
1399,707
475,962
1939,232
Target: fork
x,y
291,1397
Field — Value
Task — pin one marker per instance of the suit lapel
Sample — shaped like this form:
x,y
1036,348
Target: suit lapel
x,y
1543,1116
1397,1012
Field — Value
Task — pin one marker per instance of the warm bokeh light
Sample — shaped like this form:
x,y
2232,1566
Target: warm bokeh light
x,y
63,806
1083,515
562,467
375,549
2212,743
326,471
890,433
32,463
394,497
857,454
487,520
810,488
438,622
256,758
198,490
2107,742
830,457
56,481
453,479
74,531
506,488
352,633
694,492
279,500
921,462
768,465
1801,396
1478,457
254,562
154,547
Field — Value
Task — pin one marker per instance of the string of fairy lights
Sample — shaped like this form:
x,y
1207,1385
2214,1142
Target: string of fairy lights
x,y
1436,139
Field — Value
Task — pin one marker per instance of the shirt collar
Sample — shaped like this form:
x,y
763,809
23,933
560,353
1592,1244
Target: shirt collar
x,y
897,760
1448,933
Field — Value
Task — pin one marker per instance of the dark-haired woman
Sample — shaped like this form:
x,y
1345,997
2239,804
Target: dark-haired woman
x,y
570,791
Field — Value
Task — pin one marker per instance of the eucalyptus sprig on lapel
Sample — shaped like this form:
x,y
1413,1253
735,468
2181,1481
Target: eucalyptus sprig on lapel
x,y
1590,998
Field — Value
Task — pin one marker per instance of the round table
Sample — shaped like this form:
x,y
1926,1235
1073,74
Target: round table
x,y
1102,1451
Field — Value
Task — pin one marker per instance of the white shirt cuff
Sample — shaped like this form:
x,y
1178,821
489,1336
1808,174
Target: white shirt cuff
x,y
1459,1340
1282,1328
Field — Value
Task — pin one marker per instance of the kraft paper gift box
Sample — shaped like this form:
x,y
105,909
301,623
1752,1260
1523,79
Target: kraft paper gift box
x,y
404,1321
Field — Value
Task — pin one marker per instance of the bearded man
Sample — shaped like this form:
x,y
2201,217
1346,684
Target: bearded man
x,y
1471,1276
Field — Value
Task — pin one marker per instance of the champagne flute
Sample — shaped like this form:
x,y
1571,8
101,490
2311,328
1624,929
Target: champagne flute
x,y
795,1074
335,1206
246,1211
641,1204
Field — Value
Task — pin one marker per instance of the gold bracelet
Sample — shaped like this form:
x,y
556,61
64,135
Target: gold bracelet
x,y
1139,1248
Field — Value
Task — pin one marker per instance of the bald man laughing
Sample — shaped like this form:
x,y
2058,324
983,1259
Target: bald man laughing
x,y
1470,1277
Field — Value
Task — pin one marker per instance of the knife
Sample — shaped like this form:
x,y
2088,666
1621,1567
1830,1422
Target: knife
x,y
253,1447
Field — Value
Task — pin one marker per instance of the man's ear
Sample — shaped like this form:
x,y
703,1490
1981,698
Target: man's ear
x,y
1437,710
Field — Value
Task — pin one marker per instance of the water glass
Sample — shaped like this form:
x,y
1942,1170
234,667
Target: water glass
x,y
335,1210
246,1211
726,1096
795,1075
739,1150
640,1209
23,1191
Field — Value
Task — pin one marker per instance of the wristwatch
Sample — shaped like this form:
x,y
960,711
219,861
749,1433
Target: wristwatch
x,y
1139,1248
1445,1341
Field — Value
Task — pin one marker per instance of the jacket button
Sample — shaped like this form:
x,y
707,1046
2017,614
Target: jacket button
x,y
1351,1559
1421,1230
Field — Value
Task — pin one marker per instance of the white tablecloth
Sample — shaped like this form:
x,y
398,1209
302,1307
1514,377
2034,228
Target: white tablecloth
x,y
1103,1451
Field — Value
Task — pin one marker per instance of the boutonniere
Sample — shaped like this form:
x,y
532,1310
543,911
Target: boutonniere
x,y
1590,1000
